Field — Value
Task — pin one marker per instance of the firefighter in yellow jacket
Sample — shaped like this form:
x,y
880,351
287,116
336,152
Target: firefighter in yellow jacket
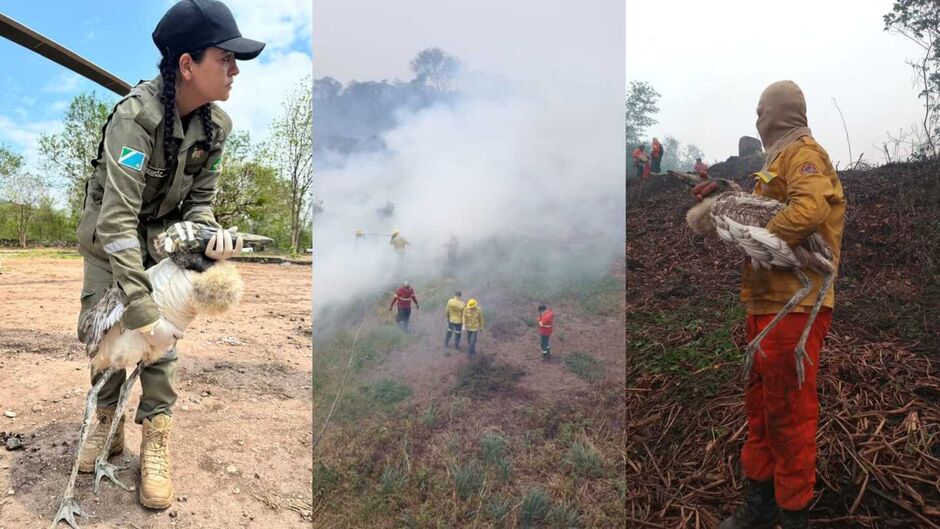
x,y
157,164
472,320
779,456
454,314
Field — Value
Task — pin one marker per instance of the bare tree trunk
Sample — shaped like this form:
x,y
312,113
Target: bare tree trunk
x,y
22,224
844,127
925,76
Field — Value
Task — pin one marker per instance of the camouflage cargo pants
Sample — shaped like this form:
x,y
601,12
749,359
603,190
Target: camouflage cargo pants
x,y
156,380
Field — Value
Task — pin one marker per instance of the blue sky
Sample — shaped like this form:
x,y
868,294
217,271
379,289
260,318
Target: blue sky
x,y
116,36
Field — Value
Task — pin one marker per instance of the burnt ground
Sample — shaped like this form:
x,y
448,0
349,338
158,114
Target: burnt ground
x,y
879,432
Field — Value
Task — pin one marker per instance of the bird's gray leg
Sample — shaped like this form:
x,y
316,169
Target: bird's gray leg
x,y
102,467
69,509
754,345
801,346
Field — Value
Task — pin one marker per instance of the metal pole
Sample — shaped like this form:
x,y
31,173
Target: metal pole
x,y
32,40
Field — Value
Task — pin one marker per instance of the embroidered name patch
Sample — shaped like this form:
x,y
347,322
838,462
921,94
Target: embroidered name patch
x,y
155,172
131,159
808,168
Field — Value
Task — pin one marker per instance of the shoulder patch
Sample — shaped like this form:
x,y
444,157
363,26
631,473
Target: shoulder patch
x,y
131,159
216,165
808,168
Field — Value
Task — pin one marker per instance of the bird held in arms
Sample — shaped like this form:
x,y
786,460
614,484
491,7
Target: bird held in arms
x,y
739,218
185,283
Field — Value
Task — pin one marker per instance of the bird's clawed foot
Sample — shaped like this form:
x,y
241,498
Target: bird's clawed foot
x,y
800,354
104,469
752,347
68,510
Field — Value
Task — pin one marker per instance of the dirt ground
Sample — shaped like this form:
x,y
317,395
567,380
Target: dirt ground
x,y
242,423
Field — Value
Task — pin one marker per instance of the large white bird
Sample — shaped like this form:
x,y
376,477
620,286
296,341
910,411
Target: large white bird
x,y
739,219
185,284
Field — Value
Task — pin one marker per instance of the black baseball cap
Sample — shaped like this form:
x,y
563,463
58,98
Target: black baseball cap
x,y
192,25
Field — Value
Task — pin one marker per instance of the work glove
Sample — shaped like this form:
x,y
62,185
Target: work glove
x,y
220,246
703,189
183,235
162,335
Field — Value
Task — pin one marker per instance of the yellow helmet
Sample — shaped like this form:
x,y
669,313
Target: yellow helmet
x,y
395,232
472,303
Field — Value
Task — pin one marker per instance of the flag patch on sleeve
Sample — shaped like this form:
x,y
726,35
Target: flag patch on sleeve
x,y
131,159
216,165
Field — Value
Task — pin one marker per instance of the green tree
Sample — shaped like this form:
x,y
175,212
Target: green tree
x,y
68,154
919,22
250,195
678,157
291,150
21,190
640,109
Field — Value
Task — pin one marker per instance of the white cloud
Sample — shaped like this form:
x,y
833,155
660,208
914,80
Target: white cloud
x,y
280,23
260,89
65,82
24,135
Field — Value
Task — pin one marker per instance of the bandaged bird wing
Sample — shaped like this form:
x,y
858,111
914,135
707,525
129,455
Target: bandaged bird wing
x,y
104,315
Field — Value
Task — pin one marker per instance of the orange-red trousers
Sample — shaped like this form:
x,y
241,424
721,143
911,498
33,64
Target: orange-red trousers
x,y
782,418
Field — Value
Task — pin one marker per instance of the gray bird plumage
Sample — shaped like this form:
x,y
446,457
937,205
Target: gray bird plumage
x,y
105,314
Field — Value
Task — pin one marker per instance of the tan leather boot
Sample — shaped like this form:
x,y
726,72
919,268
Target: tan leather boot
x,y
100,428
156,488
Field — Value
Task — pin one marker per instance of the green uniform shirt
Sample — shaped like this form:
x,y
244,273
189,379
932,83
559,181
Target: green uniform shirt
x,y
133,193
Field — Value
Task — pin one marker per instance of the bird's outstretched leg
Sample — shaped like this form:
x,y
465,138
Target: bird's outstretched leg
x,y
68,510
800,351
754,345
102,467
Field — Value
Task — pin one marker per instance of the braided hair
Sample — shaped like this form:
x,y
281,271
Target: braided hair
x,y
168,69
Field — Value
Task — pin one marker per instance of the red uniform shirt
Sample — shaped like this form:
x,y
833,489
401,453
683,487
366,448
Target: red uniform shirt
x,y
639,156
700,168
546,320
404,296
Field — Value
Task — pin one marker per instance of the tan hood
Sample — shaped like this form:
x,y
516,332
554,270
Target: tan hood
x,y
781,117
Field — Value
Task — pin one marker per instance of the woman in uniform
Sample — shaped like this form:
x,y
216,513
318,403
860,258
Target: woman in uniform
x,y
157,165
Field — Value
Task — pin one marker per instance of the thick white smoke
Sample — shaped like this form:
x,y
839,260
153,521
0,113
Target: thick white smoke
x,y
537,161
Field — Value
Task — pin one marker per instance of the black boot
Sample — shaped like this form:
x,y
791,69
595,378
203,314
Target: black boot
x,y
759,510
794,519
